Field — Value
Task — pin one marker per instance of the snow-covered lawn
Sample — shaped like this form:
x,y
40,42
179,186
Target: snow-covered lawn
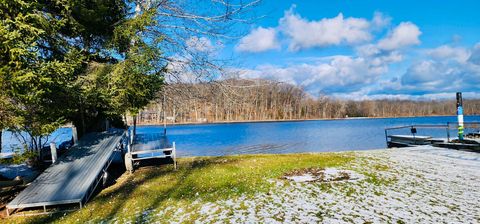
x,y
407,185
414,185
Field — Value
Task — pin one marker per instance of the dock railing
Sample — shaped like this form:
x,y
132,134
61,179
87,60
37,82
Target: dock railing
x,y
414,129
450,126
468,127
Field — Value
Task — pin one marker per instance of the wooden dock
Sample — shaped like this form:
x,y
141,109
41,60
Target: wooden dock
x,y
74,177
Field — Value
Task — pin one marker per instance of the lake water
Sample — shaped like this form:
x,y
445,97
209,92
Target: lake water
x,y
11,143
280,137
291,137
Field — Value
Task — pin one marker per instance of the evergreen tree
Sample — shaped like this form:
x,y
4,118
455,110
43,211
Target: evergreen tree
x,y
69,61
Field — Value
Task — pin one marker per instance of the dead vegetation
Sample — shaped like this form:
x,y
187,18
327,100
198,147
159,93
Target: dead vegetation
x,y
317,175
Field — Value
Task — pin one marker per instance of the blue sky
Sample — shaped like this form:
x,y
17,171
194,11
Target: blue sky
x,y
365,49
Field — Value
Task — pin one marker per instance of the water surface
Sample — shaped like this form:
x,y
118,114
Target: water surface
x,y
292,137
13,142
277,137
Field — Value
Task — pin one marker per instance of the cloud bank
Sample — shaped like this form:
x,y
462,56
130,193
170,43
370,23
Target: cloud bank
x,y
377,45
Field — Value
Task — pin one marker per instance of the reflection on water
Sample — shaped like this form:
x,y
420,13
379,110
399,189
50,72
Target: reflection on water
x,y
10,141
290,137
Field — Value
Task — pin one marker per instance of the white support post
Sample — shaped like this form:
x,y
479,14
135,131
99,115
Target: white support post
x,y
130,141
53,150
131,136
74,134
129,162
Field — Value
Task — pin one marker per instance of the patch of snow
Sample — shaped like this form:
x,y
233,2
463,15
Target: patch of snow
x,y
302,178
326,175
418,185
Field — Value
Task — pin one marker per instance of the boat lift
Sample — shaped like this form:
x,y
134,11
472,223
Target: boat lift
x,y
148,146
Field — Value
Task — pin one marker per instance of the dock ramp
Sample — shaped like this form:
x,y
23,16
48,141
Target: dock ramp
x,y
74,177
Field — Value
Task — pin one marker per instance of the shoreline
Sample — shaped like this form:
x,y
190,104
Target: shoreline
x,y
286,120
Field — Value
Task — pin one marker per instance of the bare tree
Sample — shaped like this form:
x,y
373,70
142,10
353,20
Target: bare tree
x,y
193,31
256,99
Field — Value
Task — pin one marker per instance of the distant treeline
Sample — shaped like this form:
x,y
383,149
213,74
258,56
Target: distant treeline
x,y
253,100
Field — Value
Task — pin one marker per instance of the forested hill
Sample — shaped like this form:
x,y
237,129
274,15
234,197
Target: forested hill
x,y
250,100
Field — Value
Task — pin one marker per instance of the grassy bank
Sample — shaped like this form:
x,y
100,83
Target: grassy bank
x,y
205,179
408,185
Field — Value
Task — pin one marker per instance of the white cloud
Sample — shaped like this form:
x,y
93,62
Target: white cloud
x,y
434,73
377,56
328,31
201,44
380,20
368,50
475,55
448,69
429,96
329,75
458,54
178,72
260,39
444,69
430,74
405,34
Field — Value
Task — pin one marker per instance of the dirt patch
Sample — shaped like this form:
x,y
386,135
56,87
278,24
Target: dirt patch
x,y
320,175
6,195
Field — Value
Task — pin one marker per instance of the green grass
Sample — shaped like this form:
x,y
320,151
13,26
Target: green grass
x,y
205,178
374,179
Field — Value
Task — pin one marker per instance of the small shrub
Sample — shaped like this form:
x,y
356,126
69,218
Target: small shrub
x,y
27,156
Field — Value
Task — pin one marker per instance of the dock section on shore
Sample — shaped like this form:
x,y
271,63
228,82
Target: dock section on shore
x,y
74,177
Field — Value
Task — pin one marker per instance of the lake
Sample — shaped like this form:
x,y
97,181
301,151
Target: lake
x,y
279,137
292,137
10,141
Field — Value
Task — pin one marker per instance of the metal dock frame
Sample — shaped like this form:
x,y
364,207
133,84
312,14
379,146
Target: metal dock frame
x,y
450,126
413,130
132,155
154,154
86,164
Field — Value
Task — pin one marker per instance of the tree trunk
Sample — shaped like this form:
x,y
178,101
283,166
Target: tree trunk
x,y
134,125
1,133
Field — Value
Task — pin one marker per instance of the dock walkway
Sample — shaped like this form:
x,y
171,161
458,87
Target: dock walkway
x,y
75,176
